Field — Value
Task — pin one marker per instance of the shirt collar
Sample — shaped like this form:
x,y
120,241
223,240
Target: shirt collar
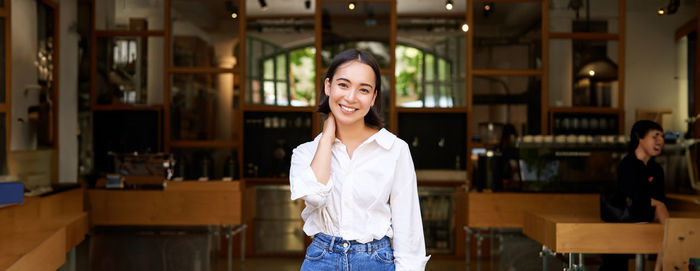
x,y
384,138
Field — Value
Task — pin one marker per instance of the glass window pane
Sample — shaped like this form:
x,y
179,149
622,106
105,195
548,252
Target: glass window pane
x,y
281,65
570,16
129,15
367,27
583,73
429,67
284,47
269,91
436,140
202,107
2,60
269,69
409,79
282,97
507,35
303,76
129,70
506,100
204,41
205,163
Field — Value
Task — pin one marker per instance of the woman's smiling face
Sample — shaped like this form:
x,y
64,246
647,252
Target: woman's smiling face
x,y
351,93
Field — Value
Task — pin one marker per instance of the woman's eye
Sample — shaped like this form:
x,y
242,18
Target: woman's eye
x,y
364,90
343,85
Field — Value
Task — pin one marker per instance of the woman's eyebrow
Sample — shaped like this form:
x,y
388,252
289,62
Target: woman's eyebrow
x,y
361,84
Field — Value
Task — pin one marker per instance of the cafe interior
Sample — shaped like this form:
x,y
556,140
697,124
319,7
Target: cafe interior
x,y
158,134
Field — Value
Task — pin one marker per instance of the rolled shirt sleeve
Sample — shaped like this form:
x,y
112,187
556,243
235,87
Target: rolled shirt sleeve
x,y
302,180
406,222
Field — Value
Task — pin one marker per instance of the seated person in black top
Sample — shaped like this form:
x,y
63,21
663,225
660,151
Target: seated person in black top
x,y
641,184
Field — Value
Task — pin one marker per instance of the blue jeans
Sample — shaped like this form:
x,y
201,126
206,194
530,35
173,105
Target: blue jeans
x,y
335,254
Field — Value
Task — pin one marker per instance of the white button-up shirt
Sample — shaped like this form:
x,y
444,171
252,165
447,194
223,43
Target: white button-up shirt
x,y
370,196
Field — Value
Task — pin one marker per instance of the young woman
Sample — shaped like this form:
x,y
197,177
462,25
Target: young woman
x,y
357,179
641,184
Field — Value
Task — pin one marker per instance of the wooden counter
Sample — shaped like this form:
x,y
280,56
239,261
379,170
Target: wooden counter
x,y
506,210
37,235
583,233
179,204
571,233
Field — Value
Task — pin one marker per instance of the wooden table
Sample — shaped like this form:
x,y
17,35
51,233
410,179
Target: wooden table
x,y
572,233
179,204
37,234
502,211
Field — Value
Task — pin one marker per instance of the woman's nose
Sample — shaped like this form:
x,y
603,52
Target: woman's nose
x,y
350,95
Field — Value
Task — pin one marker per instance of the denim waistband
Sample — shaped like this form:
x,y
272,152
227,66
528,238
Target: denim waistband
x,y
338,244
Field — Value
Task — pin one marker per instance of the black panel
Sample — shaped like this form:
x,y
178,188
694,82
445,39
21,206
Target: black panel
x,y
123,132
436,140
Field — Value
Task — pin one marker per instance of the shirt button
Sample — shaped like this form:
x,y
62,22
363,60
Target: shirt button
x,y
345,245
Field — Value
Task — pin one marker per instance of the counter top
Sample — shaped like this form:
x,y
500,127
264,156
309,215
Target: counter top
x,y
179,204
37,234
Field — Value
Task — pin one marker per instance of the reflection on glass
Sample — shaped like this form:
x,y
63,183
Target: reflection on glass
x,y
507,36
584,73
202,107
205,163
424,79
129,70
204,41
367,27
519,115
430,62
128,15
507,100
575,16
2,60
280,59
3,151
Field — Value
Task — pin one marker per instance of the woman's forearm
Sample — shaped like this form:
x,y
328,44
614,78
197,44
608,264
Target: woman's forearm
x,y
321,164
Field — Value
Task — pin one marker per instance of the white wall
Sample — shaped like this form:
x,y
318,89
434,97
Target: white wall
x,y
24,49
652,78
68,92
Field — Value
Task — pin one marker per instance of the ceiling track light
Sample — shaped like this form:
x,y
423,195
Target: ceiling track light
x,y
230,7
352,5
488,8
449,4
307,4
263,5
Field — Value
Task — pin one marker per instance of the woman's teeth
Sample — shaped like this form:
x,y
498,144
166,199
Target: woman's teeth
x,y
348,108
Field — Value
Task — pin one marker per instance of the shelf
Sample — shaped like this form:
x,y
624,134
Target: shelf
x,y
479,72
203,144
585,110
127,107
584,36
431,109
267,180
119,33
275,108
202,70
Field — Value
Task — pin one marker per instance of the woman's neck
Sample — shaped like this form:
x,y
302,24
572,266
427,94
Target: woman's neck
x,y
351,133
642,155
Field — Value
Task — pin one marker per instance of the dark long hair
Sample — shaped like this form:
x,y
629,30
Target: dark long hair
x,y
372,118
640,130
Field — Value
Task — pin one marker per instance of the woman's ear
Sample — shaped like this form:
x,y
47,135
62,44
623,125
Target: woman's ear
x,y
327,87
